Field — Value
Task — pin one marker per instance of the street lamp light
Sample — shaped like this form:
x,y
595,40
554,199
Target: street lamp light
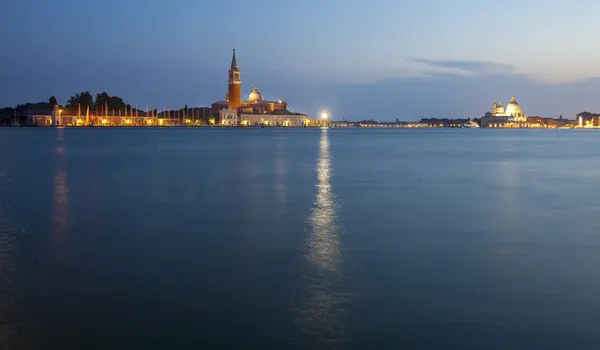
x,y
324,117
58,121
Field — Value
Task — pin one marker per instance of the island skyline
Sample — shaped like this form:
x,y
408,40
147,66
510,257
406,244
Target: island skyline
x,y
391,60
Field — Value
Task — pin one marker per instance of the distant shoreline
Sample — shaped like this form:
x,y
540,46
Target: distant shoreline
x,y
274,127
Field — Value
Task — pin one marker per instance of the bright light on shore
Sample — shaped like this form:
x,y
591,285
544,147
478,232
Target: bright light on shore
x,y
324,115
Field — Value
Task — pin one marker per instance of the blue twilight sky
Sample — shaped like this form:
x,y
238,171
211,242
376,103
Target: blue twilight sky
x,y
384,59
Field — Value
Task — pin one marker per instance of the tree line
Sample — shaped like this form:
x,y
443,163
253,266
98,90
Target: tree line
x,y
80,101
101,104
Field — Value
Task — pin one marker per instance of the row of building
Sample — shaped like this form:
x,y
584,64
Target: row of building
x,y
512,116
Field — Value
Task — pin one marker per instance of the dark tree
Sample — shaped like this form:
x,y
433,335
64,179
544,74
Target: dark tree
x,y
102,99
52,101
86,100
83,100
116,103
73,101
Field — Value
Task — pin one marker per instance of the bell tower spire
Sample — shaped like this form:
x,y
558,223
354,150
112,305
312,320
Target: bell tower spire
x,y
234,62
235,84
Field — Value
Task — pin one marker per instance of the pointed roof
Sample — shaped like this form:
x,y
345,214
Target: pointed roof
x,y
233,61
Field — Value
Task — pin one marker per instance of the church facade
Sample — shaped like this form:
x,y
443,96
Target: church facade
x,y
255,110
513,110
509,117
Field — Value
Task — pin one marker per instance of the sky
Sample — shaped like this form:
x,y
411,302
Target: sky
x,y
380,59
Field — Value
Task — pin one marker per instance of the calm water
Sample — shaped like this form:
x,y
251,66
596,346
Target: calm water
x,y
299,239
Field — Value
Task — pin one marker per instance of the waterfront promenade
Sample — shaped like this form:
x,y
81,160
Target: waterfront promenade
x,y
168,120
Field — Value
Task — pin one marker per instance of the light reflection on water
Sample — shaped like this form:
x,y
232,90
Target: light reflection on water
x,y
324,241
322,317
60,190
280,168
464,252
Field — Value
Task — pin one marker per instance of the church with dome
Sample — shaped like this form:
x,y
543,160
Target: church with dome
x,y
513,109
255,110
510,117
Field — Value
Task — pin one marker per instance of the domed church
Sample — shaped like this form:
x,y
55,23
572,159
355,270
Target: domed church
x,y
513,110
255,110
510,117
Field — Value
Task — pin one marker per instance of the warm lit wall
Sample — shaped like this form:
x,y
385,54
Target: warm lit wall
x,y
235,95
272,119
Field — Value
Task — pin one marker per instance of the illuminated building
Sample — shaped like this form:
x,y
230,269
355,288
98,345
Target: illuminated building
x,y
513,117
587,120
513,110
255,110
510,117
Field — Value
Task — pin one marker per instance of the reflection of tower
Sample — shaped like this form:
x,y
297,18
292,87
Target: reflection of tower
x,y
234,94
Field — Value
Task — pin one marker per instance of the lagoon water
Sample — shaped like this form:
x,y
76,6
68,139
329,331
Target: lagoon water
x,y
299,239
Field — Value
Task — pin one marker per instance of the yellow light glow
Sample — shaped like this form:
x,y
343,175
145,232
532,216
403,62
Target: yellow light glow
x,y
160,122
324,115
128,121
104,121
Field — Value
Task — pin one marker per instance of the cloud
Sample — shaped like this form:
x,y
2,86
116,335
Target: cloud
x,y
468,67
446,96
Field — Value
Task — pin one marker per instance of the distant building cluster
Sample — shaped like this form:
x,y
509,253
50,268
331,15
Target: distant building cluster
x,y
588,120
255,110
513,117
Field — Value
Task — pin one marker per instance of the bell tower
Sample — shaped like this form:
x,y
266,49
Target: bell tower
x,y
234,94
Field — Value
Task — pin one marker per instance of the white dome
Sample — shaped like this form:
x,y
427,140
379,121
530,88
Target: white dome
x,y
513,107
255,96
